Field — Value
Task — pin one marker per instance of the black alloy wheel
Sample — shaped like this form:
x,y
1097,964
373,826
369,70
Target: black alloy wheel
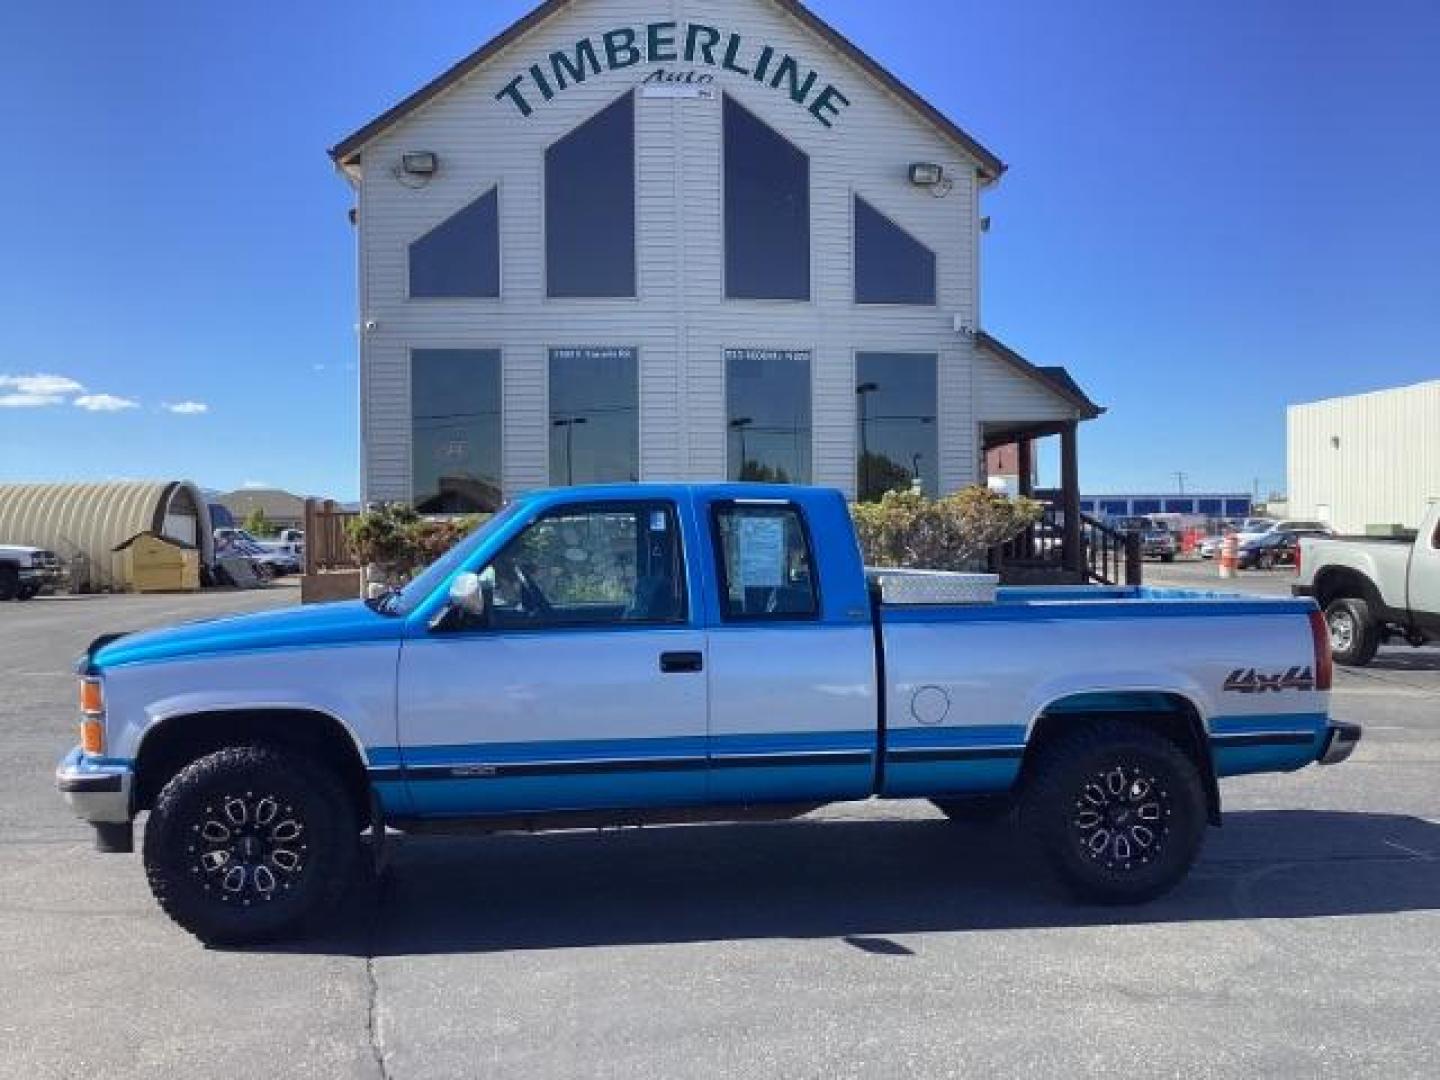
x,y
1119,809
250,843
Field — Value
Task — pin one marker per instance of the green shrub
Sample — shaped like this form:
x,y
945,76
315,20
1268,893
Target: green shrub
x,y
394,537
906,529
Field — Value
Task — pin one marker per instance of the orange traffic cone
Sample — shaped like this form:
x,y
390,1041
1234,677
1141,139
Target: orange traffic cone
x,y
1230,556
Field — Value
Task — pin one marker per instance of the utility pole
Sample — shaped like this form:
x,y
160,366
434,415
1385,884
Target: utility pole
x,y
1180,479
570,424
863,391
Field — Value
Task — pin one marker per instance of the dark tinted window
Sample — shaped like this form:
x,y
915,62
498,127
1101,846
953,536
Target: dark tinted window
x,y
455,425
891,266
768,417
461,255
765,565
590,206
594,416
592,566
898,439
767,211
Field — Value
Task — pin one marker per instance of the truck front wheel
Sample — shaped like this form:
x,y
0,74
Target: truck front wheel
x,y
250,843
1119,810
1354,635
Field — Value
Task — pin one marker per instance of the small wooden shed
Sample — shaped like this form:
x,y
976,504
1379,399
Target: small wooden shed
x,y
149,562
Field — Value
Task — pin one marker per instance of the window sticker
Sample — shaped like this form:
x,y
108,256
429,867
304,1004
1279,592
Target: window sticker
x,y
762,553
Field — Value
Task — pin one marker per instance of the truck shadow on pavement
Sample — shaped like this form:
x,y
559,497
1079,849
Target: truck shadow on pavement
x,y
855,880
1425,659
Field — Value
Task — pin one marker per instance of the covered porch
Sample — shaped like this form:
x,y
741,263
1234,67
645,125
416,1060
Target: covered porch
x,y
1024,404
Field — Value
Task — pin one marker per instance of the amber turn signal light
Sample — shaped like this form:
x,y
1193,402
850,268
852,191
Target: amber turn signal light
x,y
92,697
92,737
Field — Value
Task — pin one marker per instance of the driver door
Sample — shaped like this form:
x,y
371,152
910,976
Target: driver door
x,y
583,687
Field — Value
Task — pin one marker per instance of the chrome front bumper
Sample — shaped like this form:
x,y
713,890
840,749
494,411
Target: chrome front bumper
x,y
1340,743
96,789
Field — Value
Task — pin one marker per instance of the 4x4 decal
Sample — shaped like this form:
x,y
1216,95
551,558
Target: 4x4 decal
x,y
1251,681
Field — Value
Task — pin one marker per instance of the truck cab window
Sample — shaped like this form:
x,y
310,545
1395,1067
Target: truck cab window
x,y
766,568
610,565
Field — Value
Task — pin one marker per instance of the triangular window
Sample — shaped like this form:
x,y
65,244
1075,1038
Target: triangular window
x,y
891,266
461,255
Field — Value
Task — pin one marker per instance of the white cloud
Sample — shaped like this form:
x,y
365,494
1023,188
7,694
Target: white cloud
x,y
36,391
28,401
187,408
45,386
104,403
256,485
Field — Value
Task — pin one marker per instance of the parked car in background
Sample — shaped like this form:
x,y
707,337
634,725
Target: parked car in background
x,y
1156,539
278,558
1374,589
1257,527
27,572
1277,548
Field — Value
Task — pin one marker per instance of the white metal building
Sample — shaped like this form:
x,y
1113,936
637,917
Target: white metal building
x,y
678,240
1371,459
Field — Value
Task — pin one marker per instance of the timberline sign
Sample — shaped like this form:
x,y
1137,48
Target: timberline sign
x,y
665,43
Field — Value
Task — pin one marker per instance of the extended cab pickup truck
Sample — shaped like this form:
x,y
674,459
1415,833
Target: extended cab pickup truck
x,y
1373,589
661,654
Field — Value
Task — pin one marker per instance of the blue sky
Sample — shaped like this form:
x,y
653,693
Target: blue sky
x,y
1214,209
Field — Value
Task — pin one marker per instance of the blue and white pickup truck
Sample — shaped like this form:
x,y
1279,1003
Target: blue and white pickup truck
x,y
663,654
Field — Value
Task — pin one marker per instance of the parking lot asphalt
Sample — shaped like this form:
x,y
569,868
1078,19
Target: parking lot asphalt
x,y
868,940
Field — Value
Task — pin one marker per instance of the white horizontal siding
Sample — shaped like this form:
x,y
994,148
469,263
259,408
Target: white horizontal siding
x,y
681,323
1010,396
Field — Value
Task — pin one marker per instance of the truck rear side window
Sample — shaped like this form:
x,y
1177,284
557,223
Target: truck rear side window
x,y
765,563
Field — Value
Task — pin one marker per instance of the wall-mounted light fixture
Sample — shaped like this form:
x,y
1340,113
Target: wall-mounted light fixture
x,y
419,162
1335,442
416,168
927,174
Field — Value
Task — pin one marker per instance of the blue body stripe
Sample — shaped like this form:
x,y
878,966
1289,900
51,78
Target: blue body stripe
x,y
1309,722
1021,605
1242,755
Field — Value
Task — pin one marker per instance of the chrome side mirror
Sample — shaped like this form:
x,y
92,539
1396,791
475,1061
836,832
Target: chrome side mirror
x,y
467,595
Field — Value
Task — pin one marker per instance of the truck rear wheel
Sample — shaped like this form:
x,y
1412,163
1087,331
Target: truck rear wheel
x,y
1354,635
250,843
1119,810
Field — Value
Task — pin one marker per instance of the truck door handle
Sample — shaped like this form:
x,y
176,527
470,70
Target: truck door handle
x,y
682,663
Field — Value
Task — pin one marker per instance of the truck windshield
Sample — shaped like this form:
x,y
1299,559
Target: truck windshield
x,y
428,580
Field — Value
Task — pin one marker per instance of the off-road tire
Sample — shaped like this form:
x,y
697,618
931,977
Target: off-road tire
x,y
1119,811
192,868
27,592
9,583
977,810
1357,645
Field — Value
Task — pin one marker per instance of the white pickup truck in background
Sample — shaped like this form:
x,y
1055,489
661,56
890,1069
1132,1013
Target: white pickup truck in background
x,y
1373,589
26,572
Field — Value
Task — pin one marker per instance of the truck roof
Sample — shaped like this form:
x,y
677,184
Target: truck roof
x,y
580,493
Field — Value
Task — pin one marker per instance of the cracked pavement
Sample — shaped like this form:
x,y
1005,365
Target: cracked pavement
x,y
866,940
